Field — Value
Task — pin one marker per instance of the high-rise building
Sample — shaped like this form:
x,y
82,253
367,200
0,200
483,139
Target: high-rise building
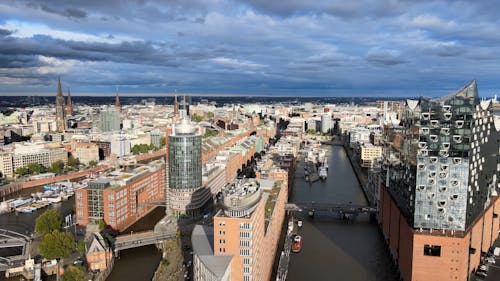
x,y
244,239
326,123
109,120
69,104
438,206
60,110
186,195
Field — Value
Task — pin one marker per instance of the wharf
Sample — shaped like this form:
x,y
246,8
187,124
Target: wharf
x,y
285,254
360,175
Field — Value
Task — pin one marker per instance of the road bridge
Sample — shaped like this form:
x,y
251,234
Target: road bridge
x,y
12,239
139,239
335,208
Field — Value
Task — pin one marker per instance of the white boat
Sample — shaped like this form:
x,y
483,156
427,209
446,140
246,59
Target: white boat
x,y
322,172
299,223
52,199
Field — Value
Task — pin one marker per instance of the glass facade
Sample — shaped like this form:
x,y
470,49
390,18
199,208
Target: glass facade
x,y
443,179
95,200
185,161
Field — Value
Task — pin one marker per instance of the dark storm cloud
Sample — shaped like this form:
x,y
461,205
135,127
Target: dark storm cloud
x,y
251,45
384,59
5,32
68,12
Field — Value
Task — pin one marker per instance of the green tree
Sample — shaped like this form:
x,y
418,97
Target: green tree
x,y
210,114
57,167
73,273
48,222
102,224
81,246
56,244
72,162
93,163
22,171
35,168
163,142
196,117
209,133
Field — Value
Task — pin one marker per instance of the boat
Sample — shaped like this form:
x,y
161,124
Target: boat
x,y
290,226
19,202
5,206
26,209
297,244
322,173
299,223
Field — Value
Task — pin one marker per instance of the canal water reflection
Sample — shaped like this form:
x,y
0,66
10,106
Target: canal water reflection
x,y
334,249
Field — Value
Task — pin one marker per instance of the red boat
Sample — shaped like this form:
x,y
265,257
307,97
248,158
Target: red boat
x,y
297,244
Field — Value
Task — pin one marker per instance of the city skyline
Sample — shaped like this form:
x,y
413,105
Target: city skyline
x,y
391,48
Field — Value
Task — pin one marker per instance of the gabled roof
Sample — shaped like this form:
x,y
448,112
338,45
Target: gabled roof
x,y
98,244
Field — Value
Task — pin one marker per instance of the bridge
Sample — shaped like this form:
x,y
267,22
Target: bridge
x,y
139,239
12,239
343,209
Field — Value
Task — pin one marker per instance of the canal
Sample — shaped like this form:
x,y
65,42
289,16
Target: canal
x,y
334,249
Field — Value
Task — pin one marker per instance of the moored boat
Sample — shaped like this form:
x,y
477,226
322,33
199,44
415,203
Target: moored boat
x,y
297,244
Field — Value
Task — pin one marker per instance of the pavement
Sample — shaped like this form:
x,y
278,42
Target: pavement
x,y
493,269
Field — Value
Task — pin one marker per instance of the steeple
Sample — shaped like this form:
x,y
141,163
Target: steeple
x,y
176,107
117,101
60,116
69,105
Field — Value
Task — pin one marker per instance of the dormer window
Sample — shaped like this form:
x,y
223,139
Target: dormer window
x,y
459,123
435,123
445,131
457,138
447,116
445,145
447,107
422,144
434,138
424,131
426,115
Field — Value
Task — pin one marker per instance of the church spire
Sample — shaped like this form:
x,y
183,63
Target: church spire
x,y
69,104
60,116
117,101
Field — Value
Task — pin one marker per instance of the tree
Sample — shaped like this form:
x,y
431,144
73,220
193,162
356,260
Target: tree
x,y
73,273
163,141
35,168
57,167
72,162
48,222
102,224
93,163
56,244
22,171
196,117
210,114
81,246
209,133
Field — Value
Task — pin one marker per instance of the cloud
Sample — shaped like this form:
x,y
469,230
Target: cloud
x,y
296,46
385,58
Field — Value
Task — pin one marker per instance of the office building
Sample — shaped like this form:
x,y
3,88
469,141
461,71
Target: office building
x,y
245,233
109,120
438,203
186,195
121,197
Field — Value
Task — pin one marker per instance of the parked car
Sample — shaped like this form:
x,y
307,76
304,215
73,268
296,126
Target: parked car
x,y
481,274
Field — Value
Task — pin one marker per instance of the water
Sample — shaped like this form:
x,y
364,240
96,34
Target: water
x,y
334,249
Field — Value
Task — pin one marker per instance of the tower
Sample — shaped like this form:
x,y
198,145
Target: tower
x,y
60,116
176,107
117,101
69,104
185,193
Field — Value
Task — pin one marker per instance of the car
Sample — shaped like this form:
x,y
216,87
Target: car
x,y
78,262
483,267
481,274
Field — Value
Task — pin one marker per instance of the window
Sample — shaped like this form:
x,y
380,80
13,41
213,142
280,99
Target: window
x,y
432,250
247,261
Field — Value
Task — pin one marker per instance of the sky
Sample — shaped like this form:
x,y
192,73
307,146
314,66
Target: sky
x,y
252,47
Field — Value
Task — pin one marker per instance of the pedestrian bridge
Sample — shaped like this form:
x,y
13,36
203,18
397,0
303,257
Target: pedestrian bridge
x,y
330,207
139,239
